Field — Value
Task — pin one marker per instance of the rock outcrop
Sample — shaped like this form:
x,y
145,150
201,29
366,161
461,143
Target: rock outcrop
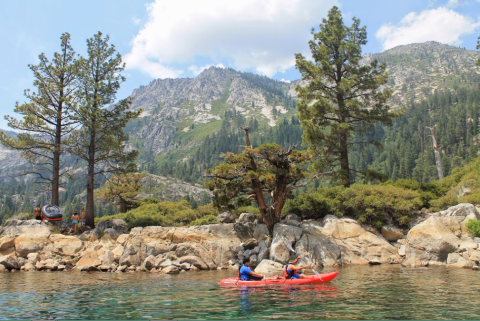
x,y
440,239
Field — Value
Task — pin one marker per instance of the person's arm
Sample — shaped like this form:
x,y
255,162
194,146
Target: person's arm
x,y
297,268
256,274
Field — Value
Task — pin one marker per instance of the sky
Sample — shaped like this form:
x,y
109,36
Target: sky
x,y
178,39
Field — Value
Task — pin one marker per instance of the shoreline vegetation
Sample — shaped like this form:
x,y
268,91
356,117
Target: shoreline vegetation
x,y
435,238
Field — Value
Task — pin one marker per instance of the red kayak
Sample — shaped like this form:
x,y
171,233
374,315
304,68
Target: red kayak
x,y
324,277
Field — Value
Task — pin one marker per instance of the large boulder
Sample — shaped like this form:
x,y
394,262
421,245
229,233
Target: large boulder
x,y
456,217
392,233
246,218
33,228
431,240
283,242
7,245
117,224
260,232
66,245
195,261
269,267
341,228
320,249
226,217
131,254
25,244
9,262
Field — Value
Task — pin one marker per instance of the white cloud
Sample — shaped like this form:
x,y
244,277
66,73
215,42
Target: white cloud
x,y
247,34
440,24
196,70
136,20
454,3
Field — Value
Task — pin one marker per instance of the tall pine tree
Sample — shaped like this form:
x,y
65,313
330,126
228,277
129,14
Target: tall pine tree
x,y
47,116
101,140
341,97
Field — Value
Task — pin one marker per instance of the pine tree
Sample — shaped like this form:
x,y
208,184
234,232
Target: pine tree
x,y
341,96
123,190
47,116
101,139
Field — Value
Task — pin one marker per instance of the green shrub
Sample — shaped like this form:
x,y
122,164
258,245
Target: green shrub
x,y
428,191
373,204
377,204
152,212
149,200
474,227
209,219
247,209
315,204
466,177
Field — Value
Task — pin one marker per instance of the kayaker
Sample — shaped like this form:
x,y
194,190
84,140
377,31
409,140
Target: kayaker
x,y
291,270
246,274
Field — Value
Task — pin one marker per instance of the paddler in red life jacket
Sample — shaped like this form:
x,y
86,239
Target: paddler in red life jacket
x,y
246,274
291,270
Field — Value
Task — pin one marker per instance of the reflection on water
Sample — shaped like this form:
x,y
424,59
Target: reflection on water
x,y
358,292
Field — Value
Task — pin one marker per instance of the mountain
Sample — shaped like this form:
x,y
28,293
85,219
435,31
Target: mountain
x,y
187,123
194,107
417,70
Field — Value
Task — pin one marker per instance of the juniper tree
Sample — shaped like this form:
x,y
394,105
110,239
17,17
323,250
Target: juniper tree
x,y
341,97
267,175
47,117
101,141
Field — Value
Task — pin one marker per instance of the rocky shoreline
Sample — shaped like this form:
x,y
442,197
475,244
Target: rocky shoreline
x,y
437,239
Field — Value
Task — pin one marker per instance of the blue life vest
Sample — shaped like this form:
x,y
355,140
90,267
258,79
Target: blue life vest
x,y
244,272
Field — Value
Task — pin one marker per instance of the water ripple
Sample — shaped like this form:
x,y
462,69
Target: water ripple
x,y
359,292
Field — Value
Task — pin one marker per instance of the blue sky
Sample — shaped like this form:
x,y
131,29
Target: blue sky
x,y
172,39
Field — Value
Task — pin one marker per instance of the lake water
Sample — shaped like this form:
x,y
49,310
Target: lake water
x,y
358,292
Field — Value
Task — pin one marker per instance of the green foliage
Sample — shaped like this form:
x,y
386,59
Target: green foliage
x,y
209,219
474,227
122,189
101,140
428,191
48,117
315,204
156,213
266,175
149,200
372,204
247,209
408,150
463,186
341,97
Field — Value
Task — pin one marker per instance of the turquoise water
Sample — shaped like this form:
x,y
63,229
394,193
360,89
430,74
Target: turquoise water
x,y
358,292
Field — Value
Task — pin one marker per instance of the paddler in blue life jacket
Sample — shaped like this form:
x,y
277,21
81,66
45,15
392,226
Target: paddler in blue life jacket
x,y
291,269
246,274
